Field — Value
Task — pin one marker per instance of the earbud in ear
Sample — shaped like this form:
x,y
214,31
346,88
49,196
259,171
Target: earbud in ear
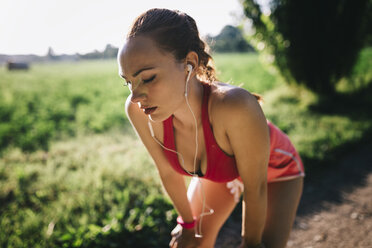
x,y
189,69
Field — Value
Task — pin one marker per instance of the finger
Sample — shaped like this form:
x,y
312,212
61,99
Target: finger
x,y
171,243
176,230
241,188
175,245
240,185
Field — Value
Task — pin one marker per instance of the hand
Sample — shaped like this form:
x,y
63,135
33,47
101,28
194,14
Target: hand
x,y
236,188
183,238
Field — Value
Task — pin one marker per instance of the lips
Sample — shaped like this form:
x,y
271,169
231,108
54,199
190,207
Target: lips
x,y
149,111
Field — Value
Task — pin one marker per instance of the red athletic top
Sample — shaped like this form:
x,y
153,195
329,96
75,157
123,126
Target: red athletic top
x,y
220,166
284,163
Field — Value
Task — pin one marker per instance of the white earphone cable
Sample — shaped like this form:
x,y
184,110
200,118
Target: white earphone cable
x,y
196,125
198,233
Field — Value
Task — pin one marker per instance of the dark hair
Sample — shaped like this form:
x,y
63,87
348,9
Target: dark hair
x,y
175,32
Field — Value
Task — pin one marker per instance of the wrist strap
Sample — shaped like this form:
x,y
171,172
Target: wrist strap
x,y
187,225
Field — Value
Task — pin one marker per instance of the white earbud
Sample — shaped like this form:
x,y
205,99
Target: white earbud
x,y
189,69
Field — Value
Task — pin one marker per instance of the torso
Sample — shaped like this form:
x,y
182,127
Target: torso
x,y
221,101
185,139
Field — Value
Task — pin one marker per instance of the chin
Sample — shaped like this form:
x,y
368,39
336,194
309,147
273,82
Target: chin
x,y
158,118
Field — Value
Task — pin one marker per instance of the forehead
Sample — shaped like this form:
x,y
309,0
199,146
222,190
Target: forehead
x,y
141,52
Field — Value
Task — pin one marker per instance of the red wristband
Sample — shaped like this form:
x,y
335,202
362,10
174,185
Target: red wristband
x,y
187,225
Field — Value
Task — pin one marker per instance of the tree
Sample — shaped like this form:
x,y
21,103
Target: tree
x,y
230,39
110,52
51,54
314,42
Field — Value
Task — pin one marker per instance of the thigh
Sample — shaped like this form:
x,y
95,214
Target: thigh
x,y
283,200
217,197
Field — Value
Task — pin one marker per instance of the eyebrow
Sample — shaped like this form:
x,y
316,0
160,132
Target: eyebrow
x,y
138,72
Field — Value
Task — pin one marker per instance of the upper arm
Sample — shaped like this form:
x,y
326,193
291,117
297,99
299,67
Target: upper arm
x,y
248,135
139,122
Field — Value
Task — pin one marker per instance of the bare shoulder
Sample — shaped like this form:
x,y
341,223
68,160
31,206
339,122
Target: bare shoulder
x,y
230,103
237,114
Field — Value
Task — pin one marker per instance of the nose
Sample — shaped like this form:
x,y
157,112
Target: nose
x,y
137,96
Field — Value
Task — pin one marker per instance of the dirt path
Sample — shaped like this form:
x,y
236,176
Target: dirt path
x,y
335,209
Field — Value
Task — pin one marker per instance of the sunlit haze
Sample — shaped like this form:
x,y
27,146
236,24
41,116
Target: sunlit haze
x,y
81,26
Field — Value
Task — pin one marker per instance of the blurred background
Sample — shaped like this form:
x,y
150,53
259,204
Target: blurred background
x,y
74,174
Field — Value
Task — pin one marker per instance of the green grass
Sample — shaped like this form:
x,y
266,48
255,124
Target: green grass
x,y
323,129
85,192
245,70
320,135
56,100
65,99
73,173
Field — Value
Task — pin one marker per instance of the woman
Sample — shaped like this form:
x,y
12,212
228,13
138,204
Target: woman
x,y
191,124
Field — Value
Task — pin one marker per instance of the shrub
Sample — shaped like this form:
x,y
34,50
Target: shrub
x,y
315,43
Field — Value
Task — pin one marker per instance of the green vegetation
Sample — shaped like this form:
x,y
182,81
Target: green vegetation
x,y
230,39
85,192
73,173
314,52
245,71
57,100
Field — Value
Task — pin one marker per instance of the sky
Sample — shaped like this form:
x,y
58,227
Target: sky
x,y
81,26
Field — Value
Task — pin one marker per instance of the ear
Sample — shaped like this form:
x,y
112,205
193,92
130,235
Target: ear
x,y
192,59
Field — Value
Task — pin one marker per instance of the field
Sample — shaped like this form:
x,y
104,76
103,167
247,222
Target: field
x,y
73,173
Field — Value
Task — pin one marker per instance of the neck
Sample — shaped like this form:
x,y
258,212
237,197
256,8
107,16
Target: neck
x,y
183,116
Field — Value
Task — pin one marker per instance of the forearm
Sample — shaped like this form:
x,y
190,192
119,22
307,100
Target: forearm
x,y
177,191
254,217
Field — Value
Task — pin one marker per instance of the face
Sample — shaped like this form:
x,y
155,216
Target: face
x,y
157,79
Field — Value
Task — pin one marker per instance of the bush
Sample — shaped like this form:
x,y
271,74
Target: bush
x,y
315,43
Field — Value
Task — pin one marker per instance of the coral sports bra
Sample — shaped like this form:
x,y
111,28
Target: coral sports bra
x,y
220,166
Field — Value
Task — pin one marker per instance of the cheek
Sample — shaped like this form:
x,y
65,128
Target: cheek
x,y
169,88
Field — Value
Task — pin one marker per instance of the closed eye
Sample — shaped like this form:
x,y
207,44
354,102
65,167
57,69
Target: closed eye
x,y
149,80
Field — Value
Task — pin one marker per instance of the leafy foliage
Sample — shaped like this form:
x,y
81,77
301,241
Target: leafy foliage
x,y
315,43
